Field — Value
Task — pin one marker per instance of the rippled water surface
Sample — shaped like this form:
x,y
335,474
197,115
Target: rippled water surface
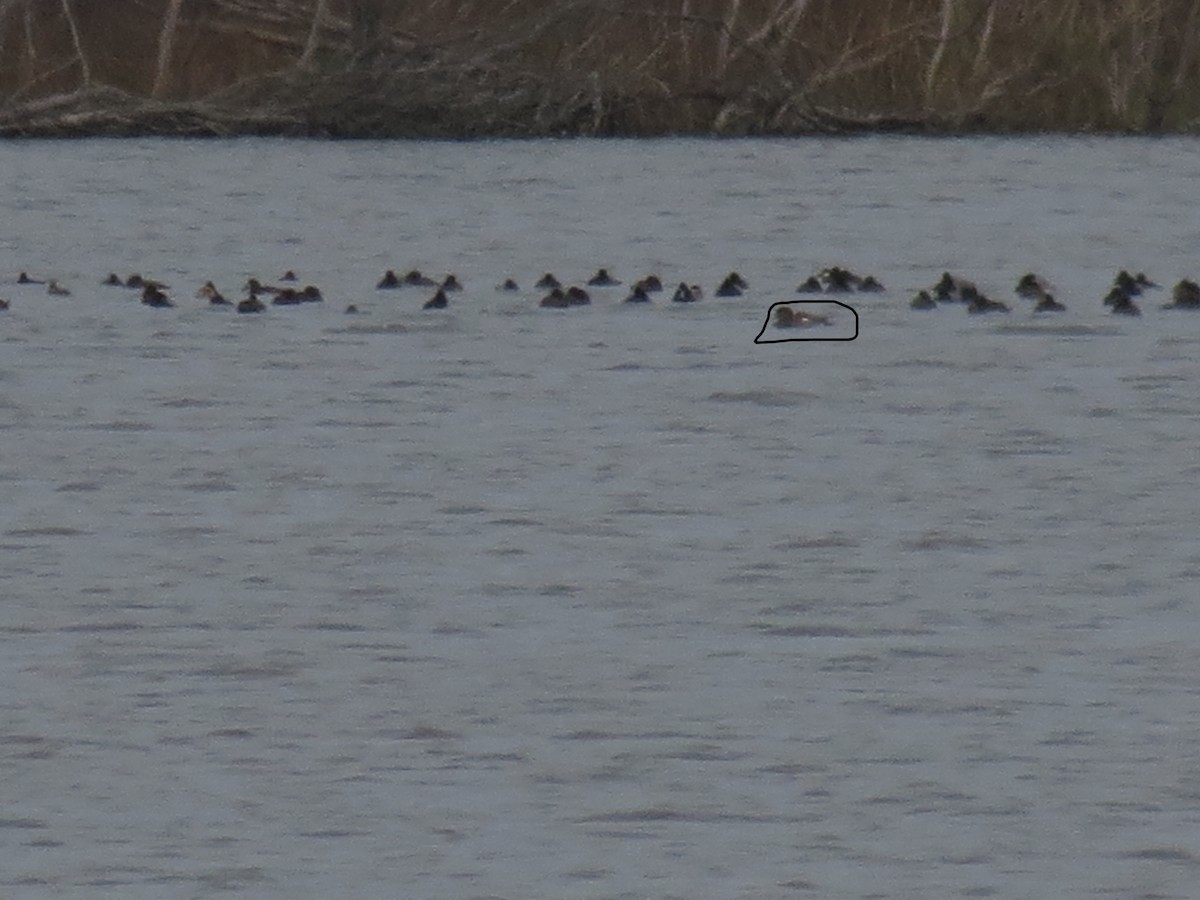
x,y
606,602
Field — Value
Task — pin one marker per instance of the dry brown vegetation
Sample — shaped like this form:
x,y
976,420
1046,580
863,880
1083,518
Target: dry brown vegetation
x,y
465,68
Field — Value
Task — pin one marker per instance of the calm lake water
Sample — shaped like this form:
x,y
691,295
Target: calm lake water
x,y
608,602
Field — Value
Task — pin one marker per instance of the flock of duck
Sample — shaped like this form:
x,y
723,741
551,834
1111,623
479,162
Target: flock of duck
x,y
1121,297
948,290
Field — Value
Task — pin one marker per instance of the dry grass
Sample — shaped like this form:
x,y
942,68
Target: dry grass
x,y
516,67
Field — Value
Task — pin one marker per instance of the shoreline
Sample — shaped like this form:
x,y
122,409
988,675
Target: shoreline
x,y
585,68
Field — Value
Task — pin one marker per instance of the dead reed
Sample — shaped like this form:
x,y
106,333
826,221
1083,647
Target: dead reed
x,y
464,68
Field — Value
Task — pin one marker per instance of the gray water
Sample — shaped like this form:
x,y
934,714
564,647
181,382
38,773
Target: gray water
x,y
606,602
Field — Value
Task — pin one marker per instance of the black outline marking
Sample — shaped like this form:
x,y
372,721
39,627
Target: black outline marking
x,y
766,324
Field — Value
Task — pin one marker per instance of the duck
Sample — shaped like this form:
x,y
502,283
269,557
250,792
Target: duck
x,y
923,300
310,293
113,280
577,296
950,288
284,297
508,285
3,304
786,317
1123,305
870,285
1031,287
732,285
253,286
438,300
1133,285
55,289
978,303
839,280
684,294
251,305
24,278
810,285
289,275
135,281
602,279
638,294
451,283
547,282
414,278
1047,303
1117,295
350,310
1185,295
388,282
651,284
153,296
209,291
556,299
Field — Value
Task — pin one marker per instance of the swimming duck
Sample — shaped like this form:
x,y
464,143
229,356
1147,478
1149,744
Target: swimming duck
x,y
547,282
1047,303
24,278
135,281
253,286
651,284
55,289
602,279
810,285
556,299
1133,285
684,294
251,305
732,285
923,300
209,291
1031,287
951,288
388,281
1117,295
638,294
351,310
1185,295
415,279
289,275
1123,305
870,285
284,297
839,280
451,283
577,296
152,296
978,303
786,317
3,304
113,279
508,285
311,294
437,301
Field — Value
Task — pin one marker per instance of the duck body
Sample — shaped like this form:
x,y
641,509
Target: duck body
x,y
437,301
154,297
1047,304
602,279
1185,295
732,285
684,294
